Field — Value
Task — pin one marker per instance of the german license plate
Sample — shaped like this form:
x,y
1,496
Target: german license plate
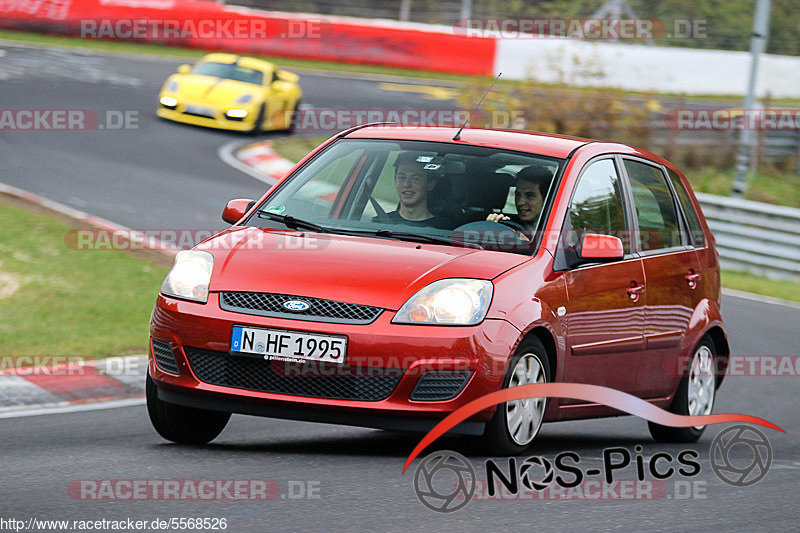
x,y
288,345
198,110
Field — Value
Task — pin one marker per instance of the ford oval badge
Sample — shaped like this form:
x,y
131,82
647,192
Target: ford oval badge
x,y
296,305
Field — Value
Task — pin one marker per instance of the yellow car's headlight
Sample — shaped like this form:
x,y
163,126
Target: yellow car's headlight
x,y
244,98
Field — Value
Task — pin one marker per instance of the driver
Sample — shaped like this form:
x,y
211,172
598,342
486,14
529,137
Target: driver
x,y
531,189
413,184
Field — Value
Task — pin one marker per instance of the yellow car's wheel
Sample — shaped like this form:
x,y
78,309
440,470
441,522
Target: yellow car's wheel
x,y
258,125
295,116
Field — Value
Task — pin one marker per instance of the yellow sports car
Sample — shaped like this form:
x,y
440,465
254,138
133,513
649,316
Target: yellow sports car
x,y
231,92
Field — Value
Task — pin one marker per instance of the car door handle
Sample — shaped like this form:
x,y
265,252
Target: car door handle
x,y
635,290
691,278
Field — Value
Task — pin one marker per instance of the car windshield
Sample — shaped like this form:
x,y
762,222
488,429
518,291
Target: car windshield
x,y
428,192
230,71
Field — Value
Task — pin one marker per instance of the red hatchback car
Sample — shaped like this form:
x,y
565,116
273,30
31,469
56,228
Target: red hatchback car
x,y
397,274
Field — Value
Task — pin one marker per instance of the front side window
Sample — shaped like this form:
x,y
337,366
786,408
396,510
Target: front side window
x,y
659,227
428,191
597,205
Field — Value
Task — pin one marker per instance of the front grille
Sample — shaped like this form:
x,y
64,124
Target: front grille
x,y
318,381
438,386
165,357
319,310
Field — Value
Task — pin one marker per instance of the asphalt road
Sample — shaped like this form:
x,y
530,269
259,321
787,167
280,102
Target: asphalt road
x,y
169,176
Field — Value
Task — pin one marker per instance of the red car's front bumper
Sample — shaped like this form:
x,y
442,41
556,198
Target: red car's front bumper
x,y
407,351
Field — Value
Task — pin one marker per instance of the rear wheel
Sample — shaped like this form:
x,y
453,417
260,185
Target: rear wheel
x,y
515,424
695,396
183,425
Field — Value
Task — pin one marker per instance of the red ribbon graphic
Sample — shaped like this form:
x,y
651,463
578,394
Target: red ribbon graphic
x,y
619,400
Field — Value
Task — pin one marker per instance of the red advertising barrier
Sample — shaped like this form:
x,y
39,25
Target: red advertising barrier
x,y
208,25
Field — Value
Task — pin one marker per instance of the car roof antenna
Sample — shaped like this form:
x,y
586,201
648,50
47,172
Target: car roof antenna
x,y
457,136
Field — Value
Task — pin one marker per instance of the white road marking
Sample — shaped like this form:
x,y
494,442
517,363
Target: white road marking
x,y
225,153
72,408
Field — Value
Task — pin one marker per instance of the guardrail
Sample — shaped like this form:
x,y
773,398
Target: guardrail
x,y
754,237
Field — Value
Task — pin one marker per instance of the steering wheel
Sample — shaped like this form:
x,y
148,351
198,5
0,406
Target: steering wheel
x,y
513,225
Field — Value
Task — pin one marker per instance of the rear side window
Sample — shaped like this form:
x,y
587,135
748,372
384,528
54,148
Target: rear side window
x,y
696,230
659,227
596,205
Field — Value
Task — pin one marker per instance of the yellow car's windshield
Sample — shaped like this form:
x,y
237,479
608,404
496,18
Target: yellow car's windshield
x,y
230,71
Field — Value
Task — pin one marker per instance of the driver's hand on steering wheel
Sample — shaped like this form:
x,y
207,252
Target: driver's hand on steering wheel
x,y
499,218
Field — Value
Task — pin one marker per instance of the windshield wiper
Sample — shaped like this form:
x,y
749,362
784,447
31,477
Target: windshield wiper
x,y
293,222
416,237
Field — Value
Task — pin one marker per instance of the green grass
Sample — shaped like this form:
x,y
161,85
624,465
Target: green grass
x,y
785,290
59,301
772,188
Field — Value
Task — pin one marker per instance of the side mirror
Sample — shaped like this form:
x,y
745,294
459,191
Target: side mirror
x,y
236,209
598,248
184,69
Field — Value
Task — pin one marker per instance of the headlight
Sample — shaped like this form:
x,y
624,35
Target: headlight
x,y
244,98
172,86
236,113
168,101
189,276
457,302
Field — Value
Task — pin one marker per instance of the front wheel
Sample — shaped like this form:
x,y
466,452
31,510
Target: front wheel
x,y
258,125
182,425
695,396
515,424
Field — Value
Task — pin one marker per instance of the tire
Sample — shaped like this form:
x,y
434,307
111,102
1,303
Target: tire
x,y
295,110
258,125
183,425
699,383
498,437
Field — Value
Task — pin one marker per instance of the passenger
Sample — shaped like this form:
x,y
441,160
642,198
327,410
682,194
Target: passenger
x,y
531,188
413,184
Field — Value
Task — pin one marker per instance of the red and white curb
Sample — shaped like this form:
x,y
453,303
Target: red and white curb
x,y
29,390
263,163
264,159
257,160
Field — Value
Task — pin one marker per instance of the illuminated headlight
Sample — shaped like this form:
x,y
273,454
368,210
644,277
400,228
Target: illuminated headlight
x,y
189,276
244,98
168,101
172,86
236,113
455,302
